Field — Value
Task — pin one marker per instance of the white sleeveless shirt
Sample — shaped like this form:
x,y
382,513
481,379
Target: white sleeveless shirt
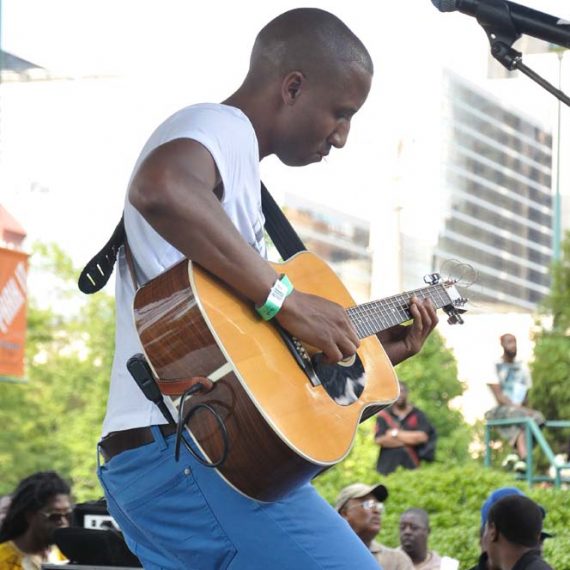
x,y
229,137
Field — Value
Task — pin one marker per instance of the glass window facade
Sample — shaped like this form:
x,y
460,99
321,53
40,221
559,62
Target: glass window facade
x,y
497,174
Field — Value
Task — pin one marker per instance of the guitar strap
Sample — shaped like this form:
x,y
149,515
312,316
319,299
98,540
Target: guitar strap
x,y
279,228
97,271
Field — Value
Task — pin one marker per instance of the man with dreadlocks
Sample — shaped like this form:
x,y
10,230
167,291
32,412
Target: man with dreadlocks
x,y
39,505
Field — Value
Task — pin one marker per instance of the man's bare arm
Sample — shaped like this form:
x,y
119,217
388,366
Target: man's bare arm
x,y
387,440
412,437
174,191
502,399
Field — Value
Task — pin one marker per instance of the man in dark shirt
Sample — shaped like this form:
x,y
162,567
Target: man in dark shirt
x,y
494,496
401,430
512,535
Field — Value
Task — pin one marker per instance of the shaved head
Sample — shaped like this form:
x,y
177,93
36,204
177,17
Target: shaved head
x,y
309,40
420,513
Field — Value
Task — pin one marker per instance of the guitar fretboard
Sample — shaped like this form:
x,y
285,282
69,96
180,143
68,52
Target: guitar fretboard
x,y
376,316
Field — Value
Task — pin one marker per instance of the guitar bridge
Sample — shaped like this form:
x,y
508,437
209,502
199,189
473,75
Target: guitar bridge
x,y
344,382
300,354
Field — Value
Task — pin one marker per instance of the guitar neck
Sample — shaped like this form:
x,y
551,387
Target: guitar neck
x,y
376,316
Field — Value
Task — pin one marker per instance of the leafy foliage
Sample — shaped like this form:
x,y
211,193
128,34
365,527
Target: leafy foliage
x,y
453,496
551,366
432,380
53,420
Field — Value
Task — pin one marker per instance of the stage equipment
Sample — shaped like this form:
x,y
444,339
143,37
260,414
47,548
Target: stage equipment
x,y
504,22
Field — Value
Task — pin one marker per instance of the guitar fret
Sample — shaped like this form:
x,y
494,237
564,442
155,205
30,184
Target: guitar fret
x,y
375,316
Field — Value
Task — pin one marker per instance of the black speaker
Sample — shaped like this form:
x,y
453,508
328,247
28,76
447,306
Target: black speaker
x,y
94,538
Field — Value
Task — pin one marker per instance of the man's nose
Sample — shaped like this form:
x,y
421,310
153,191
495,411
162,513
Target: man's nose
x,y
339,137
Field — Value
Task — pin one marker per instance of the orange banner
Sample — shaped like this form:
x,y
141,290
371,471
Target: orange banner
x,y
13,295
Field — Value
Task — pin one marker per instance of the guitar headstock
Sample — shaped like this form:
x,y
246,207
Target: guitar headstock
x,y
456,306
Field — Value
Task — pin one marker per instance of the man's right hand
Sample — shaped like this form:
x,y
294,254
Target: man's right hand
x,y
321,323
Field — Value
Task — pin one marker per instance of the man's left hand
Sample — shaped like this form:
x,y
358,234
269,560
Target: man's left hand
x,y
402,341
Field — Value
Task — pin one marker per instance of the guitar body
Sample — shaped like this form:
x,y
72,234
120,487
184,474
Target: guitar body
x,y
282,429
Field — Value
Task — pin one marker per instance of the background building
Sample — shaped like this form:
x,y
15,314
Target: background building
x,y
497,174
442,161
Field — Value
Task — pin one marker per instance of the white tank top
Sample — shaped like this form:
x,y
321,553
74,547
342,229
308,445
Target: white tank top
x,y
229,137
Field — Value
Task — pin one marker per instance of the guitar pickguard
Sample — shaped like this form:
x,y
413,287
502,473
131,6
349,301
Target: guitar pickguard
x,y
344,382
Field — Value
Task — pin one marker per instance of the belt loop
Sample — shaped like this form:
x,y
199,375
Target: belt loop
x,y
98,457
158,437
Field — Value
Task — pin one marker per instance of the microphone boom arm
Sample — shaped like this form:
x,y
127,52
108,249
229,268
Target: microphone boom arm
x,y
495,18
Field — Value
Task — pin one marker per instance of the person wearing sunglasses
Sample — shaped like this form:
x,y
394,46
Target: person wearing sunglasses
x,y
40,504
362,507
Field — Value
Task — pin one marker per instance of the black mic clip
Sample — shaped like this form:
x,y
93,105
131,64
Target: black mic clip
x,y
495,18
144,377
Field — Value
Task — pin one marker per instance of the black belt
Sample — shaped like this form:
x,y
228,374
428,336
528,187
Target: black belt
x,y
118,441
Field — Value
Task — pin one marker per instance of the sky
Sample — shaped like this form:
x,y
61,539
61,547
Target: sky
x,y
133,36
83,138
68,147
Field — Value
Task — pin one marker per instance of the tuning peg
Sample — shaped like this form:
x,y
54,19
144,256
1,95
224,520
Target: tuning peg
x,y
432,278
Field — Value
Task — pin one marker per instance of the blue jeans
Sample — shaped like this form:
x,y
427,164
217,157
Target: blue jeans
x,y
182,515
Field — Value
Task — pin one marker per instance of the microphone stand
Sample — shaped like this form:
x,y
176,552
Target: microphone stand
x,y
495,18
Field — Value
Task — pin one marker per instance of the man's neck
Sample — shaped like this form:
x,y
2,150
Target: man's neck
x,y
512,555
254,105
367,539
29,545
418,556
510,358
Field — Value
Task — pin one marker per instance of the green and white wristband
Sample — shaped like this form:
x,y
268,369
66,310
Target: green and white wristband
x,y
281,289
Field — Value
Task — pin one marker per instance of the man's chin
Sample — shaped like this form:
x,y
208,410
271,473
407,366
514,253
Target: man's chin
x,y
298,161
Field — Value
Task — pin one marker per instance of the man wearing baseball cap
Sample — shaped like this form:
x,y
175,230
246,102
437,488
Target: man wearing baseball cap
x,y
362,507
493,497
512,534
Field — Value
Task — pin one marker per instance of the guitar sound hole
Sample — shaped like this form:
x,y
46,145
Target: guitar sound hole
x,y
343,382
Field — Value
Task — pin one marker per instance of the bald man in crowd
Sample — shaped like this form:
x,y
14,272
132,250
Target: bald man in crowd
x,y
414,537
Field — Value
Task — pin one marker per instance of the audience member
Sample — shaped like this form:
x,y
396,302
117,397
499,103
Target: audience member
x,y
362,507
414,534
510,386
40,504
404,435
512,535
493,497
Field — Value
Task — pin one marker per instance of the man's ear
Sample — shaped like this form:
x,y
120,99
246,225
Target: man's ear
x,y
493,533
292,87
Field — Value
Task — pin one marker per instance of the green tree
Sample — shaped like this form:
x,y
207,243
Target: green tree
x,y
551,364
432,380
53,420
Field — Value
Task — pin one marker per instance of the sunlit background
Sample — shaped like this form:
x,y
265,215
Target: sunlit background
x,y
452,157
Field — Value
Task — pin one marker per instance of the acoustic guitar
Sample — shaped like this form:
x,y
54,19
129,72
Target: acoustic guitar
x,y
288,414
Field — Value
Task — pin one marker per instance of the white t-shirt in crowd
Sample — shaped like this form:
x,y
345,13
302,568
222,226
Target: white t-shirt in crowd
x,y
229,137
513,378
